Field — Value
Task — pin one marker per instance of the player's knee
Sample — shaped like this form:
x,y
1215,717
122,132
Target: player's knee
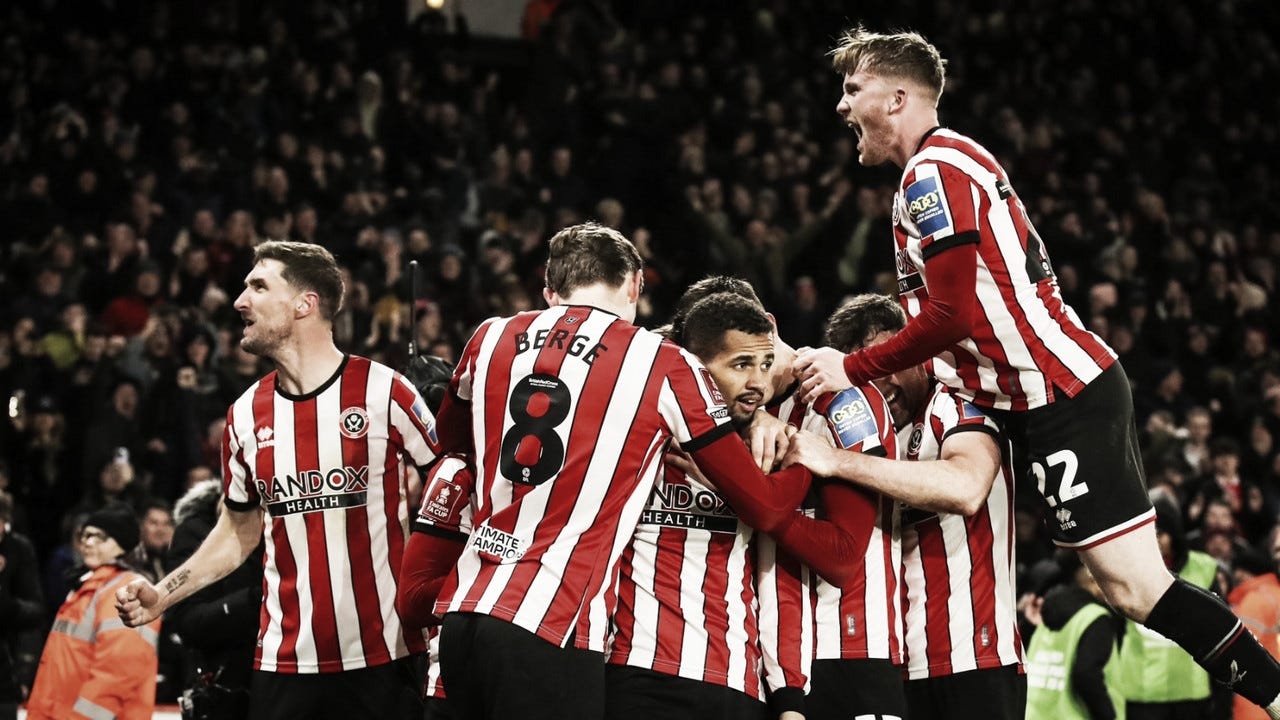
x,y
1134,596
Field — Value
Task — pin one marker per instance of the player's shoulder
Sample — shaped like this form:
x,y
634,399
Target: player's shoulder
x,y
951,150
245,399
453,465
953,411
372,369
853,406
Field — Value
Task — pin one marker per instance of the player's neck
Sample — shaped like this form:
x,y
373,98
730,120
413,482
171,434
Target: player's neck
x,y
302,366
913,133
609,299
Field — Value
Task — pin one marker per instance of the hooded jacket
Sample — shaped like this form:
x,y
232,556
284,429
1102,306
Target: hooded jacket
x,y
94,666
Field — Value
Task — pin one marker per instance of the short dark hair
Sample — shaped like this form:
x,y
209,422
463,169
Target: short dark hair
x,y
714,316
307,266
589,253
707,287
857,321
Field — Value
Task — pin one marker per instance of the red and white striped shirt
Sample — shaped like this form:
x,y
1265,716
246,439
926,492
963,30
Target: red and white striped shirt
x,y
860,620
958,593
1025,340
571,409
784,590
329,468
686,591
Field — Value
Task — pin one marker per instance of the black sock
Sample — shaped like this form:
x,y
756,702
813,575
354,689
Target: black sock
x,y
1207,629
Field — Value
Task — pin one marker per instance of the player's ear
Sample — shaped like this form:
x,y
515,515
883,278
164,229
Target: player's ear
x,y
635,286
551,296
306,304
898,99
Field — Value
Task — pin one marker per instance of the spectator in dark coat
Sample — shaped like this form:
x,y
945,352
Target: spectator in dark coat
x,y
21,613
219,624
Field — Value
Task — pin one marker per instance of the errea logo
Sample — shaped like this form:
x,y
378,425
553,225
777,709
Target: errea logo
x,y
1064,518
265,435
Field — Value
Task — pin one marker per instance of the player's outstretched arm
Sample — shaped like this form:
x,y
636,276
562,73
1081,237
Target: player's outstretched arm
x,y
958,482
762,501
945,319
833,548
234,536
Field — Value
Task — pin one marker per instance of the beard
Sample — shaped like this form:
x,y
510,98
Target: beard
x,y
265,341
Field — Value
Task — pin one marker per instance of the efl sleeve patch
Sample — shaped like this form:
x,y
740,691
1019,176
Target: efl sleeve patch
x,y
851,420
927,204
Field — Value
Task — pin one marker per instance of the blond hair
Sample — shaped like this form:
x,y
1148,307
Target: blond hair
x,y
904,55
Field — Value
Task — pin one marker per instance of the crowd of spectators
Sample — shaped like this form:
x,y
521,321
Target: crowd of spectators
x,y
146,147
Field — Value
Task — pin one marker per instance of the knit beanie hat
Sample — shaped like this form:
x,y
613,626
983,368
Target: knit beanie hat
x,y
118,522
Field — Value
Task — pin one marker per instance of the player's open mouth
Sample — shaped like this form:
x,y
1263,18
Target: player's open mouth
x,y
748,402
891,396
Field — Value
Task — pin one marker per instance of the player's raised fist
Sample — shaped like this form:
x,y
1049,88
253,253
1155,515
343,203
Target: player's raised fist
x,y
138,603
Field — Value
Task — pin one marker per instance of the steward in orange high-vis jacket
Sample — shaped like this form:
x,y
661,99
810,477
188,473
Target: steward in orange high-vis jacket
x,y
93,666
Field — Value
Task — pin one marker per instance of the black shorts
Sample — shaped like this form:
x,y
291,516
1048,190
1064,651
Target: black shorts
x,y
992,694
383,691
434,708
843,689
494,670
1081,455
632,693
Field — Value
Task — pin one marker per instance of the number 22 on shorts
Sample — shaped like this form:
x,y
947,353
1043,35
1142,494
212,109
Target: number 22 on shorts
x,y
1068,488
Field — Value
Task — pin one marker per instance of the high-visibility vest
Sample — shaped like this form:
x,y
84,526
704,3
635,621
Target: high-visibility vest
x,y
1050,656
1153,668
93,666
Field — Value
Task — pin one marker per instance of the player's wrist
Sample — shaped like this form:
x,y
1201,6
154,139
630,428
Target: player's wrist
x,y
855,367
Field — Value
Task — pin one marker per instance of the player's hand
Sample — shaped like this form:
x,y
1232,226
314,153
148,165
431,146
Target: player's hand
x,y
820,371
812,452
769,438
138,603
1031,606
681,460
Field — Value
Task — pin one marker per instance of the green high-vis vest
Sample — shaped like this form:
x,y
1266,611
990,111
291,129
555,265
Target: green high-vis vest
x,y
1050,691
1153,669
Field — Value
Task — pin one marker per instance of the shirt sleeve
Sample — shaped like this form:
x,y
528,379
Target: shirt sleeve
x,y
690,402
412,422
238,488
945,204
856,419
461,386
446,507
958,415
